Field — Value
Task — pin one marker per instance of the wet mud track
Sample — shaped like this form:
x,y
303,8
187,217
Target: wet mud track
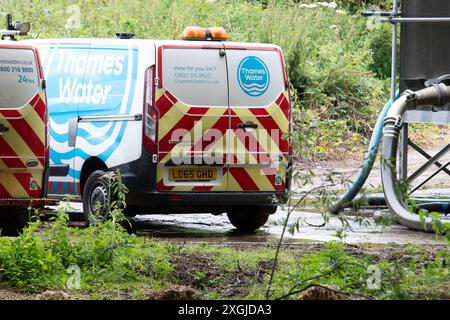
x,y
217,229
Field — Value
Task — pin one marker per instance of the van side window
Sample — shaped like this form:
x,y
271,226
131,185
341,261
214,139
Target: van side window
x,y
19,79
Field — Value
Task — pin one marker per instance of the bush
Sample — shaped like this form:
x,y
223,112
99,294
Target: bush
x,y
335,63
350,273
104,253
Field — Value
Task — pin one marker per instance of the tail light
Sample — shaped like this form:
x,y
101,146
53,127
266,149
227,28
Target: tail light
x,y
150,113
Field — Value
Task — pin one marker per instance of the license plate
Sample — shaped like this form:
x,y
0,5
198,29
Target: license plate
x,y
192,174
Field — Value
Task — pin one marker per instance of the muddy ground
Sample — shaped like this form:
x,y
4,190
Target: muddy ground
x,y
361,235
361,225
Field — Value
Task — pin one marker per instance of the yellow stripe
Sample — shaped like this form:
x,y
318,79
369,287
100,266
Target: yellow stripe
x,y
12,185
206,122
159,173
232,184
168,121
223,186
38,126
17,144
243,155
182,188
2,165
260,179
42,95
268,143
25,110
158,94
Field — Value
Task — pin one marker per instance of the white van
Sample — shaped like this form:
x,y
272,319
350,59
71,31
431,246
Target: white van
x,y
198,125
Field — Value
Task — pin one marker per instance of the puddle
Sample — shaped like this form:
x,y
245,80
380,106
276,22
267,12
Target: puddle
x,y
193,227
209,228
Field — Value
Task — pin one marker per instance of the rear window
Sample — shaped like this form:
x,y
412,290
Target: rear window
x,y
19,81
196,77
256,77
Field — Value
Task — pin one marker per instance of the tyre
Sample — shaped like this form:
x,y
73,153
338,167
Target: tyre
x,y
96,198
249,219
13,220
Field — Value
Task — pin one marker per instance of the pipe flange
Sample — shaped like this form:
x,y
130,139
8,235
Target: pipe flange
x,y
438,88
411,99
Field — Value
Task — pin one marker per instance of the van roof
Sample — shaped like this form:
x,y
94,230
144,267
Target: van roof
x,y
14,44
157,43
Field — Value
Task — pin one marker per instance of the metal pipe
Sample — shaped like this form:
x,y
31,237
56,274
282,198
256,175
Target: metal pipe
x,y
437,95
430,177
429,163
394,20
394,55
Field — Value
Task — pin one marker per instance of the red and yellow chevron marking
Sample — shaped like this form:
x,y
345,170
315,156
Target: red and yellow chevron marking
x,y
274,120
175,115
244,170
25,140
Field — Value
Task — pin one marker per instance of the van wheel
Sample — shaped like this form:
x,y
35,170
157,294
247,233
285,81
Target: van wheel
x,y
96,198
249,219
13,220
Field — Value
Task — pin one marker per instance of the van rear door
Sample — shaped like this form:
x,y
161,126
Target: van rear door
x,y
260,113
192,106
23,121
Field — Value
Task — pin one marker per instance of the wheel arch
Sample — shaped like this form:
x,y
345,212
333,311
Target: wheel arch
x,y
89,166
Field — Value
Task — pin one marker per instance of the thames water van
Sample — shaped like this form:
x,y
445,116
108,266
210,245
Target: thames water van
x,y
195,125
23,129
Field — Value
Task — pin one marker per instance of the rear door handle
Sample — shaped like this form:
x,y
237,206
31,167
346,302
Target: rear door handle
x,y
247,124
3,129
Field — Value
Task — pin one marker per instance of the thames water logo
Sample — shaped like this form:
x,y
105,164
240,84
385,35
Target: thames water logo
x,y
253,76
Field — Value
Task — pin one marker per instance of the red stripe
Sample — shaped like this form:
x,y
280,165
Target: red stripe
x,y
51,186
59,187
6,151
29,137
36,102
160,49
69,188
271,178
269,123
279,99
243,179
202,188
78,188
164,104
161,187
39,106
260,152
36,52
10,114
4,192
284,106
24,180
171,96
205,142
187,122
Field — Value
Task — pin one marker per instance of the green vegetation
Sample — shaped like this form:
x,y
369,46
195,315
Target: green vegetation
x,y
337,62
104,254
338,67
114,264
104,261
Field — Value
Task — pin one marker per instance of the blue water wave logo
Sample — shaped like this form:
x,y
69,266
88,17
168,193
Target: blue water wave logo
x,y
253,76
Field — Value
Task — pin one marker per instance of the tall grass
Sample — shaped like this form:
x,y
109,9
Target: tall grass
x,y
336,64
